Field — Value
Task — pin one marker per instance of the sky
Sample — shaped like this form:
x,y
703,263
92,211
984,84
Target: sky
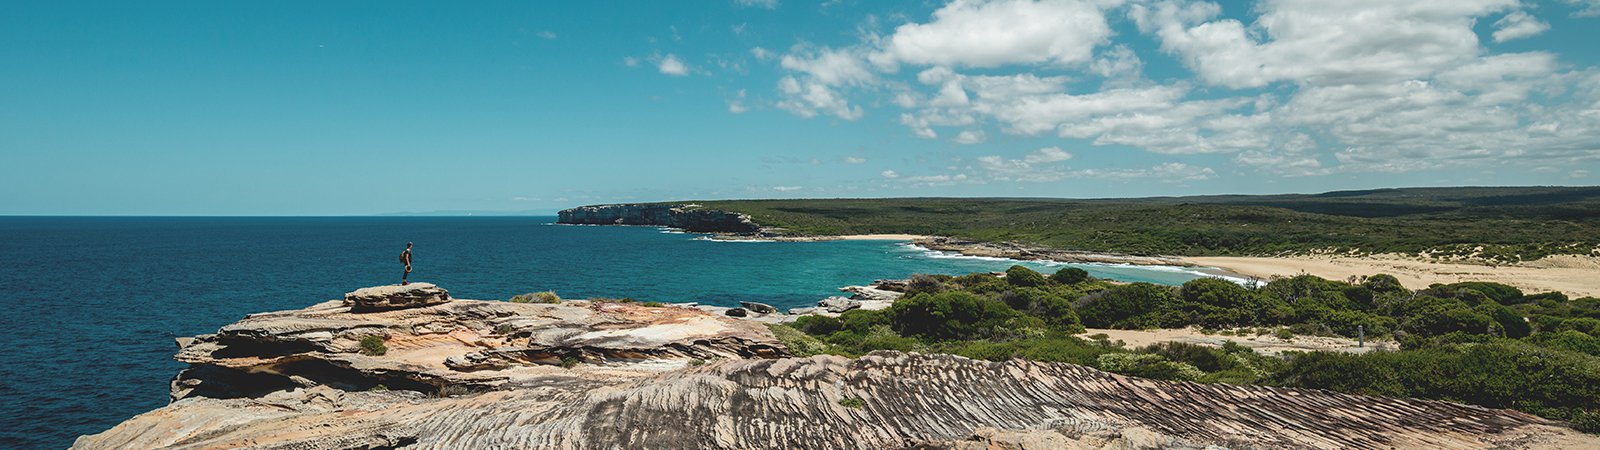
x,y
352,107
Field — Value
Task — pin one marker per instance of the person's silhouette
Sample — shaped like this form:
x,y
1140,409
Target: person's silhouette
x,y
405,258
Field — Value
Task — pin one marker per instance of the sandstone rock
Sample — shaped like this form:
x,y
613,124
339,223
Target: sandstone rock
x,y
838,305
905,400
758,308
395,296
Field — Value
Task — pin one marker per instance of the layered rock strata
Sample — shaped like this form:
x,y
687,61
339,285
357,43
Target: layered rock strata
x,y
584,375
396,296
685,217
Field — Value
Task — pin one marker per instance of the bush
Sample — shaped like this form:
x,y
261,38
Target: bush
x,y
1132,306
537,297
1500,293
852,402
818,325
372,345
1070,275
1501,373
1024,277
950,315
1147,366
923,284
1583,325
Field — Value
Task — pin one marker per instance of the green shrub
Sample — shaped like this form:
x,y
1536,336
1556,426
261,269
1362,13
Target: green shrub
x,y
818,325
1284,334
1571,340
1070,275
1500,293
1147,366
1132,306
924,284
652,304
950,315
1023,277
852,402
537,297
800,344
1583,325
1557,384
372,345
570,361
503,329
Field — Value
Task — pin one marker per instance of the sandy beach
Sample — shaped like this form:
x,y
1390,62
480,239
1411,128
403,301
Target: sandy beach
x,y
881,237
1576,276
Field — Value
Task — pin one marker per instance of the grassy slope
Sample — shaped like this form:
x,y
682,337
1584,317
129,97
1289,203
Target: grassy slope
x,y
1513,223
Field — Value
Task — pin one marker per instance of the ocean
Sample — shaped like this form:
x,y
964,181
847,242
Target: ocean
x,y
92,304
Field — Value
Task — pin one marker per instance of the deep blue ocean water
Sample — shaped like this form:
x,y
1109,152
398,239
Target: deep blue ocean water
x,y
91,305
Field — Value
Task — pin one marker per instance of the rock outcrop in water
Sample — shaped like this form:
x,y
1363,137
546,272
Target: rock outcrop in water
x,y
685,217
489,375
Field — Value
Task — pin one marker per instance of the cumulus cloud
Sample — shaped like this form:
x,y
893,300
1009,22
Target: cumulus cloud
x,y
547,34
990,33
1286,87
787,188
671,65
1518,25
761,53
854,160
890,174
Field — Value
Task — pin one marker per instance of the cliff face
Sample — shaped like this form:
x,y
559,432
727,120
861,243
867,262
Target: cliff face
x,y
471,374
685,217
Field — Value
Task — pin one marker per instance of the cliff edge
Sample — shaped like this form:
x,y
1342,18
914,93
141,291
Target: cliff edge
x,y
469,374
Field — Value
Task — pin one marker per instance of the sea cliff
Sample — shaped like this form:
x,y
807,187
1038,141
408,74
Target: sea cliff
x,y
427,371
686,217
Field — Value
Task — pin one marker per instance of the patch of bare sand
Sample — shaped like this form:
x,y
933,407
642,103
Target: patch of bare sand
x,y
1574,275
881,237
1266,344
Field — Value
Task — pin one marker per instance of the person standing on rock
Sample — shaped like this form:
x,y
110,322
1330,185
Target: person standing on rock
x,y
405,258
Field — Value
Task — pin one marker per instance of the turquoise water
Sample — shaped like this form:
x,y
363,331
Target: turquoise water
x,y
93,304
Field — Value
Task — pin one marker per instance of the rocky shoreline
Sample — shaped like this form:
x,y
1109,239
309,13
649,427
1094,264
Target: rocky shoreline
x,y
427,371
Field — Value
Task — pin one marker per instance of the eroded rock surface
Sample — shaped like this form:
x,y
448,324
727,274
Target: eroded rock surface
x,y
491,375
396,296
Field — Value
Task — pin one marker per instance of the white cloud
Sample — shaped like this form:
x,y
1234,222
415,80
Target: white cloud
x,y
547,34
890,174
787,188
1518,25
671,65
854,160
991,33
630,61
1318,42
736,105
761,53
1047,155
1288,87
767,4
1586,8
821,76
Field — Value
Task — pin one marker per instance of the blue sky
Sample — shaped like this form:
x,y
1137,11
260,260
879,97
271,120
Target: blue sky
x,y
332,108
